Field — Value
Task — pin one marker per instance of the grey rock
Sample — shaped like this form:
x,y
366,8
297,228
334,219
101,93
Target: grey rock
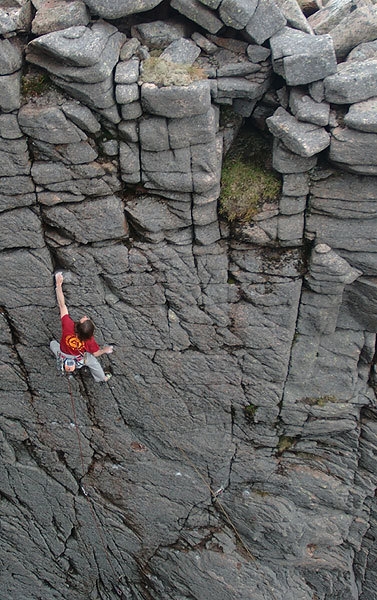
x,y
129,160
48,123
302,138
285,161
363,52
8,202
257,53
129,131
167,161
289,205
10,97
239,87
115,9
292,11
14,158
9,128
181,51
237,13
236,66
152,216
98,96
265,21
13,186
302,58
363,116
295,184
81,116
81,222
195,11
10,57
200,129
328,272
205,44
127,72
352,83
211,3
358,27
244,108
154,135
15,17
306,109
56,15
20,266
351,148
290,229
129,48
362,302
159,34
125,94
131,111
317,90
177,101
330,15
20,228
161,181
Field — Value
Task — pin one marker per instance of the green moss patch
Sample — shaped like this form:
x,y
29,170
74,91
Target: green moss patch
x,y
247,179
164,73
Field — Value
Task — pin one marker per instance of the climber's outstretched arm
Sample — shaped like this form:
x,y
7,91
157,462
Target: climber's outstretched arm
x,y
60,295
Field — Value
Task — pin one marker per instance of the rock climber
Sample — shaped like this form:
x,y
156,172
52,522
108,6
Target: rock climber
x,y
77,346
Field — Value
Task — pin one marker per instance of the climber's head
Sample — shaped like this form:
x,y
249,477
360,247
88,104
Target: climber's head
x,y
84,328
69,365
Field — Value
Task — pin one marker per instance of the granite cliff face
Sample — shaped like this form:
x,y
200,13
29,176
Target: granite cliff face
x,y
233,453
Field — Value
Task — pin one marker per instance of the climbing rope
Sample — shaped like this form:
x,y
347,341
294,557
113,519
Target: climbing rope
x,y
87,497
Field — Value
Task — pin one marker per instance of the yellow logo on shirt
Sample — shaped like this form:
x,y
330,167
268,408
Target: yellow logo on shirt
x,y
74,343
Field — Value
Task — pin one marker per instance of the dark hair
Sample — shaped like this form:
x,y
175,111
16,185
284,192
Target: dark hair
x,y
84,330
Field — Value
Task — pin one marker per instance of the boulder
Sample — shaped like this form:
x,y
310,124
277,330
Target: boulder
x,y
302,58
354,150
181,51
53,15
257,53
306,109
363,116
237,13
176,101
292,11
358,27
159,34
116,9
15,15
353,82
265,21
304,139
195,11
331,14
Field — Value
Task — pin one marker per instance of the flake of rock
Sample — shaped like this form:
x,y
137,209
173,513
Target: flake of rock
x,y
116,9
159,34
302,58
129,48
363,116
176,101
237,13
195,11
352,83
89,221
257,53
330,15
81,116
181,51
292,11
265,21
10,57
205,44
48,123
354,150
306,109
358,27
304,139
52,198
10,97
127,72
285,161
55,14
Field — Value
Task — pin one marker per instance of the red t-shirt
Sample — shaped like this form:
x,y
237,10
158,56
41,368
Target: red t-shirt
x,y
70,343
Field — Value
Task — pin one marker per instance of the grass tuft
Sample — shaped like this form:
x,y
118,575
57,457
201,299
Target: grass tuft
x,y
164,73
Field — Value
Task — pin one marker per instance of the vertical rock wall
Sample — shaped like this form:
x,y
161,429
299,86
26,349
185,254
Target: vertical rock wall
x,y
233,454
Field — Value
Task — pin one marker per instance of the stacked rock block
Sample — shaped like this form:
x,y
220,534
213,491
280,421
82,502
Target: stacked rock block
x,y
257,362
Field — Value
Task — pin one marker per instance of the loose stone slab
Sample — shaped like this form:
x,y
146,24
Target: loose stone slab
x,y
127,72
181,52
195,11
10,57
292,11
266,20
238,87
55,15
285,161
176,101
330,15
48,124
304,139
159,34
351,147
357,27
237,13
81,116
115,9
302,58
125,94
10,97
353,82
306,109
363,116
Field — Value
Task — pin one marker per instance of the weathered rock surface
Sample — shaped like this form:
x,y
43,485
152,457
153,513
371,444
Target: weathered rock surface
x,y
233,453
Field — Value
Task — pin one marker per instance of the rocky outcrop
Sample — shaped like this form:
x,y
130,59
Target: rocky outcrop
x,y
233,453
